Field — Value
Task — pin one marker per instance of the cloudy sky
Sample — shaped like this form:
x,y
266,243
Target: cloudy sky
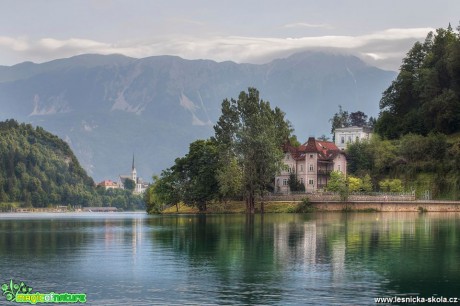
x,y
381,32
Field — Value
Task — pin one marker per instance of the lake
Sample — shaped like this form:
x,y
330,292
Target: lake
x,y
275,259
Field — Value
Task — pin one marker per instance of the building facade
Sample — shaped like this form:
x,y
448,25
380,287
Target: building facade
x,y
108,184
312,163
344,136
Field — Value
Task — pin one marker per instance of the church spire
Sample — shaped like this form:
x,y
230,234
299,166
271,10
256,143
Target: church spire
x,y
134,172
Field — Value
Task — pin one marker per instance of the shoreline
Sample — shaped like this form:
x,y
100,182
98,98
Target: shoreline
x,y
324,206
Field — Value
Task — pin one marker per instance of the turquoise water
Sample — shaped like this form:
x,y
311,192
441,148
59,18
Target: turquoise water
x,y
276,259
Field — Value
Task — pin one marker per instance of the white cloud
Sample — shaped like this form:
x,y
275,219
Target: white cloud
x,y
384,48
306,25
15,44
73,43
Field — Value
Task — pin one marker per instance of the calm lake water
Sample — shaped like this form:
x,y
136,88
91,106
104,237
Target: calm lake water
x,y
282,259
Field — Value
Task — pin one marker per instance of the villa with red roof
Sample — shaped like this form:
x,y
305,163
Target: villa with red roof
x,y
108,184
312,162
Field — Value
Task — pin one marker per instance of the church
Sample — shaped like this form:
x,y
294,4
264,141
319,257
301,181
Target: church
x,y
140,185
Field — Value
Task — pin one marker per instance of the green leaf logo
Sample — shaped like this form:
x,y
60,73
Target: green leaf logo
x,y
11,290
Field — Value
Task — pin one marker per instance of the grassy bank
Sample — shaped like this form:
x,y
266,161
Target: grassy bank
x,y
239,207
9,206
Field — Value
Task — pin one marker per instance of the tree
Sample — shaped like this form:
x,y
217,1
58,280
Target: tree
x,y
200,167
323,138
343,119
354,183
359,157
250,131
165,191
294,183
191,180
230,179
394,185
367,183
338,183
152,201
129,184
339,120
358,119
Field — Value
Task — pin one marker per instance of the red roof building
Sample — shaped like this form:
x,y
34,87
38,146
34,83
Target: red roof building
x,y
312,163
108,184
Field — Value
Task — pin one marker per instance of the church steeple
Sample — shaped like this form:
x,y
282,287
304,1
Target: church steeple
x,y
134,172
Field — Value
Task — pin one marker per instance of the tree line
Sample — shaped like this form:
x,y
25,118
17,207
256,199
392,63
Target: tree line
x,y
239,162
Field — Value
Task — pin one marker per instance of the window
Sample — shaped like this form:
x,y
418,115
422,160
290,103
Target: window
x,y
311,155
338,167
311,168
301,180
342,139
357,138
301,168
349,138
310,182
285,182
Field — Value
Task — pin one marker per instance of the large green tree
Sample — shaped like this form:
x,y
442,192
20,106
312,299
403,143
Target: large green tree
x,y
252,133
200,168
191,180
129,184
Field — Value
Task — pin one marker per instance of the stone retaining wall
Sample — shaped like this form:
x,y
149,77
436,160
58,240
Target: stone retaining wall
x,y
326,197
414,206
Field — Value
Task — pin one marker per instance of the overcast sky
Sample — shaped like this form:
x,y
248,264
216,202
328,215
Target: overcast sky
x,y
381,32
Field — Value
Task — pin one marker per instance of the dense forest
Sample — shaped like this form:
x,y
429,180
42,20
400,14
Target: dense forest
x,y
418,139
37,169
424,97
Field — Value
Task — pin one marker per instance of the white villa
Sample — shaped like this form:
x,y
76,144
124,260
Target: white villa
x,y
312,162
344,136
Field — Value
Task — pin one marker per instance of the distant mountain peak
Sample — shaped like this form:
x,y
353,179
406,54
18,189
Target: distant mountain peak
x,y
160,104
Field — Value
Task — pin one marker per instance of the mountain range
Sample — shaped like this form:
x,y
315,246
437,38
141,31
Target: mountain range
x,y
111,107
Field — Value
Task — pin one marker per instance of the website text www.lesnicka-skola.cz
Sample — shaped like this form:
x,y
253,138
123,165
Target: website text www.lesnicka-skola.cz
x,y
416,299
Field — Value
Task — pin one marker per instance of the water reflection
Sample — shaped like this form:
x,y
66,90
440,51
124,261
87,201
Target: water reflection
x,y
323,258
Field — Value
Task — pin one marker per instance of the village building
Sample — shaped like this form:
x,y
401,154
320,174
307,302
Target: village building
x,y
346,135
108,184
312,163
140,185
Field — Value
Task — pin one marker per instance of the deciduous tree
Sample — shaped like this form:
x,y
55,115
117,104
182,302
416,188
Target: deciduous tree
x,y
250,131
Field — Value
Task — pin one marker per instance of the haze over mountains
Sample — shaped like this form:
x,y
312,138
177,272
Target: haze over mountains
x,y
109,107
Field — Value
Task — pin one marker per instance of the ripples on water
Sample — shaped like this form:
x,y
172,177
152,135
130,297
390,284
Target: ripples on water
x,y
310,259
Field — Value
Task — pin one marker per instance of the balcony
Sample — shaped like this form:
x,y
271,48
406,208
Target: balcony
x,y
324,171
